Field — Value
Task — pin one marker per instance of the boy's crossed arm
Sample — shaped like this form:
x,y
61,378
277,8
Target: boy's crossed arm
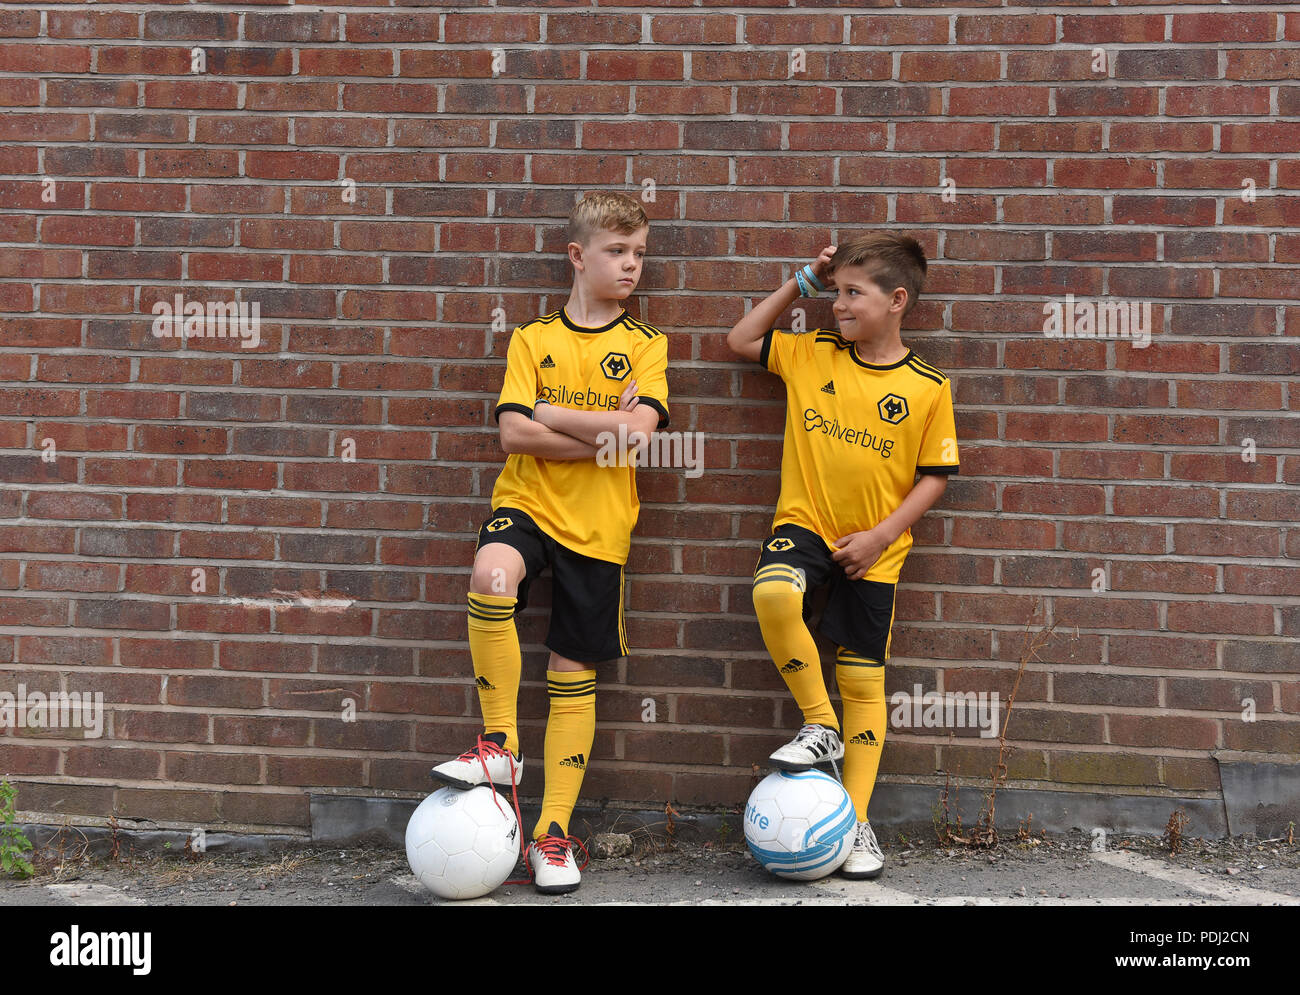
x,y
591,426
521,434
568,434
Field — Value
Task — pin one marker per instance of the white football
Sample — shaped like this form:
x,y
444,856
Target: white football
x,y
462,844
800,824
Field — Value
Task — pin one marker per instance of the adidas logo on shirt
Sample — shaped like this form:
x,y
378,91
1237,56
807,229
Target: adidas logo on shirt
x,y
864,738
484,683
577,760
548,363
828,389
793,667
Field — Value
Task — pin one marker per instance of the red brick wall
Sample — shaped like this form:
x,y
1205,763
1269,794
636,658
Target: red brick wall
x,y
376,326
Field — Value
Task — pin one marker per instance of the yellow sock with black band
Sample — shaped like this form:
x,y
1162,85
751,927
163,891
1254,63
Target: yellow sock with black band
x,y
494,647
866,716
570,731
778,602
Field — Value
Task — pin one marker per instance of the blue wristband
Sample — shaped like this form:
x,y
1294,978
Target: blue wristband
x,y
812,277
804,289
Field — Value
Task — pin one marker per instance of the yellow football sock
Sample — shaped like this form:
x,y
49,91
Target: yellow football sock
x,y
862,689
778,603
570,730
494,646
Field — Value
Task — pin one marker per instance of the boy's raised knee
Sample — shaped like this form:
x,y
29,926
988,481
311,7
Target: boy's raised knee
x,y
777,593
493,575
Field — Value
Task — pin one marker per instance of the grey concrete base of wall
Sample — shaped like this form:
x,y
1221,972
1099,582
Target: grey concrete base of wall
x,y
1260,799
100,841
905,808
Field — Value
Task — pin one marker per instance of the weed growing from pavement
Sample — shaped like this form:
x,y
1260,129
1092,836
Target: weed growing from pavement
x,y
648,839
984,835
671,827
13,844
65,854
1173,837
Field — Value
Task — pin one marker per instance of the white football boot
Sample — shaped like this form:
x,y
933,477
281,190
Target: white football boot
x,y
551,858
483,762
813,745
865,860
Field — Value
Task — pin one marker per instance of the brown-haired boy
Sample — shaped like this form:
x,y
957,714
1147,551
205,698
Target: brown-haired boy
x,y
586,373
864,416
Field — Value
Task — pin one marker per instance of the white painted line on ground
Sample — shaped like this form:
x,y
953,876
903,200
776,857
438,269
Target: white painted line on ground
x,y
982,901
91,894
868,892
407,882
1237,894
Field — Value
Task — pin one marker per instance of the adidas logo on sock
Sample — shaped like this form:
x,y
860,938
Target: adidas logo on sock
x,y
548,363
484,684
794,666
577,760
864,738
829,388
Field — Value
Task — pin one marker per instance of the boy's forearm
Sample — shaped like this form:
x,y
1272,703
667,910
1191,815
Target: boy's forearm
x,y
760,320
529,438
589,426
919,500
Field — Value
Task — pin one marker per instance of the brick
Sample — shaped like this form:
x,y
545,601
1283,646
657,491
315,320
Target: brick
x,y
1219,617
1104,768
214,768
1261,656
265,809
109,762
1263,736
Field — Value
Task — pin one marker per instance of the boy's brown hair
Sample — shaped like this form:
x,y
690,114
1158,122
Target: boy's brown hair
x,y
890,259
604,211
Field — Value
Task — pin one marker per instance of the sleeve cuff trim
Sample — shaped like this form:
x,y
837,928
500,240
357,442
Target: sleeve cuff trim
x,y
658,406
523,409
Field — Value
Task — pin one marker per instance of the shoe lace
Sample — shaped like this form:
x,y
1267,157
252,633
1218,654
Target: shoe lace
x,y
481,751
556,849
552,848
867,839
809,732
483,748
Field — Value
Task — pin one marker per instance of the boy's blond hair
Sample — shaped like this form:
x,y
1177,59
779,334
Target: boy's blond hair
x,y
890,259
604,211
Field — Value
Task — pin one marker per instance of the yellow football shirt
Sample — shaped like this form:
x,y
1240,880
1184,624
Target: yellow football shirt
x,y
856,435
589,508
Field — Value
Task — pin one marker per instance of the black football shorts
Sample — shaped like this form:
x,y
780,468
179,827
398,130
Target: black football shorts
x,y
859,613
586,593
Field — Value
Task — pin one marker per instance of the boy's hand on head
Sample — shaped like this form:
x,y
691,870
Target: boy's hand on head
x,y
857,551
822,265
628,399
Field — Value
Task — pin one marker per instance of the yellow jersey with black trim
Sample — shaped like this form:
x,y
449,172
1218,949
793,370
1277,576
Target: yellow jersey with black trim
x,y
856,436
586,507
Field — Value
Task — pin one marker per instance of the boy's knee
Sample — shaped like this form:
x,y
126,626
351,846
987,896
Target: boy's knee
x,y
497,573
776,599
